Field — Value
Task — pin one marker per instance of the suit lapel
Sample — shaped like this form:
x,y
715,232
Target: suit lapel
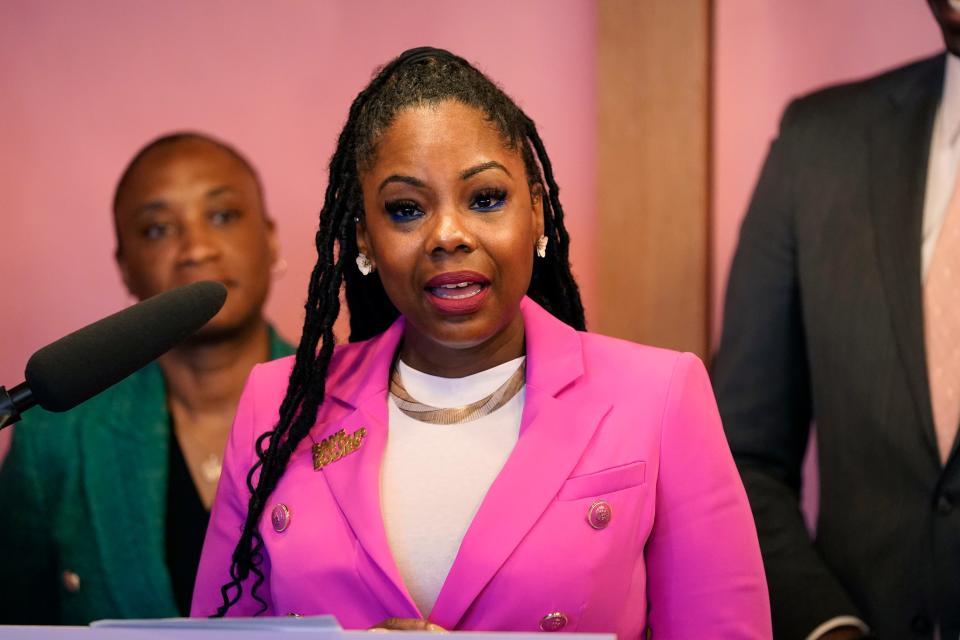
x,y
125,477
354,480
899,143
125,472
553,435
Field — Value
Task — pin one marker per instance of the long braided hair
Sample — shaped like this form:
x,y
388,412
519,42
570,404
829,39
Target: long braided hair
x,y
419,76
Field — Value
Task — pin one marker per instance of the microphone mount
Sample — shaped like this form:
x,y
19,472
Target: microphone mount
x,y
14,402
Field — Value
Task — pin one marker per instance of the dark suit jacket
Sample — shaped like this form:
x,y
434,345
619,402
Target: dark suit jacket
x,y
824,322
85,492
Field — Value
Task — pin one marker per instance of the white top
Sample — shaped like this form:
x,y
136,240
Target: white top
x,y
434,477
942,166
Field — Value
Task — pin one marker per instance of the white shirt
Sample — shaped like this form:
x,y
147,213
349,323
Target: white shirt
x,y
942,165
943,161
434,477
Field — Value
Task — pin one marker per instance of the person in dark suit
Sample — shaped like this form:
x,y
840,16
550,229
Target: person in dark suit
x,y
832,317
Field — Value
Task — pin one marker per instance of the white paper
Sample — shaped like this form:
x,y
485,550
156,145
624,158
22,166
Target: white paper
x,y
281,623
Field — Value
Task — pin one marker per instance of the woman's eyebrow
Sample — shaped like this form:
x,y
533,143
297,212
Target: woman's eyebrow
x,y
217,191
414,182
472,171
465,174
151,207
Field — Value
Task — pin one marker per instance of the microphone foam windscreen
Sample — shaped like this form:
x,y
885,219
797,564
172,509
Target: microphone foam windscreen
x,y
79,366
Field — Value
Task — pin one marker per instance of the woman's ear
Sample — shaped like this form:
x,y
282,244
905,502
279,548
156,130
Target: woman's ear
x,y
536,202
363,238
273,244
364,246
124,272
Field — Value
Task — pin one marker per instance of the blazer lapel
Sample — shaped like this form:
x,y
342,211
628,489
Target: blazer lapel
x,y
553,435
354,480
899,143
125,471
125,479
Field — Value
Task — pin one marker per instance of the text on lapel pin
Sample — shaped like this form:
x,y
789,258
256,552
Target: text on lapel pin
x,y
336,446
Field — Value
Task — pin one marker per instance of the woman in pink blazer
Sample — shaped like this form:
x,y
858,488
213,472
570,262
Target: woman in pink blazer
x,y
598,494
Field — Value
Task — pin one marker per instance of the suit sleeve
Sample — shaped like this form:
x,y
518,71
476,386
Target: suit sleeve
x,y
761,379
704,572
226,521
29,588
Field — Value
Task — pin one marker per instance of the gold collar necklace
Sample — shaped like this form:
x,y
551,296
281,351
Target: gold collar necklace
x,y
455,415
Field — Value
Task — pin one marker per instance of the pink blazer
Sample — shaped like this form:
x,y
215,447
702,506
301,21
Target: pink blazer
x,y
604,421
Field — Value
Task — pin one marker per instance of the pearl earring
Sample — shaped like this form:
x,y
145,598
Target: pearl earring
x,y
542,246
364,264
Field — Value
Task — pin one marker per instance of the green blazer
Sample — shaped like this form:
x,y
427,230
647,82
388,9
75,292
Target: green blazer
x,y
83,498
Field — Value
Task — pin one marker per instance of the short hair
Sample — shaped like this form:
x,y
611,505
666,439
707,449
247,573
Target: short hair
x,y
171,139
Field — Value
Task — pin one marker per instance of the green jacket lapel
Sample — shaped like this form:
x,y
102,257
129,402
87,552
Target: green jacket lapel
x,y
125,450
125,447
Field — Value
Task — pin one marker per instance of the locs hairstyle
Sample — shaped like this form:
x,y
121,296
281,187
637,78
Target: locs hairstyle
x,y
419,76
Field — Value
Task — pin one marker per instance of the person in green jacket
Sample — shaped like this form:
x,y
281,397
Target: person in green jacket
x,y
105,507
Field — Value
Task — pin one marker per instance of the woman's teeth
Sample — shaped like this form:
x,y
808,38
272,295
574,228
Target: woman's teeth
x,y
457,291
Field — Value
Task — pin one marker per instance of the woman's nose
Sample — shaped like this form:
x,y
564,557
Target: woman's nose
x,y
198,244
450,233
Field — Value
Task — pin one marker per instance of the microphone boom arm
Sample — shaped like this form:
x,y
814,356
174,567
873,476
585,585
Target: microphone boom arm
x,y
14,402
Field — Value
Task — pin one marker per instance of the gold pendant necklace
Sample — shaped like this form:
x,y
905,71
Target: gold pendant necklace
x,y
210,468
456,415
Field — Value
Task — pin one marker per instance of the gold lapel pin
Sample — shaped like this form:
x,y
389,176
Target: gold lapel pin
x,y
336,446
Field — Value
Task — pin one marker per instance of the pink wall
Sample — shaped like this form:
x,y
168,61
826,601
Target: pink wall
x,y
86,83
767,51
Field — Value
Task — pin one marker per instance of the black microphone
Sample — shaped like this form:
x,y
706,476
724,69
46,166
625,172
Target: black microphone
x,y
79,366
